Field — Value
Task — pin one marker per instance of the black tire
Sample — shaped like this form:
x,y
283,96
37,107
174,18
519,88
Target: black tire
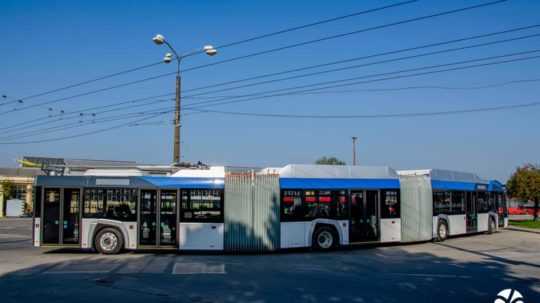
x,y
325,238
492,226
442,231
109,241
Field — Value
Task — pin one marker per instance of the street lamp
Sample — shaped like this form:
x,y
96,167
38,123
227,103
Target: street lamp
x,y
168,58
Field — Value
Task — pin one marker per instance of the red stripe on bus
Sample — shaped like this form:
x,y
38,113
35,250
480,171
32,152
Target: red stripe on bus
x,y
325,199
310,199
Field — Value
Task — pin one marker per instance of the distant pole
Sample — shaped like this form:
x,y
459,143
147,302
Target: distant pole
x,y
354,150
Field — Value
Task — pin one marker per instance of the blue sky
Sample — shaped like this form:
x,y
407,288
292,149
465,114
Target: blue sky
x,y
50,44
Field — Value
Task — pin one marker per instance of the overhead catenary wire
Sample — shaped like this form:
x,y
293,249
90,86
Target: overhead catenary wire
x,y
351,81
74,116
288,30
387,78
315,66
221,46
326,38
33,121
388,89
355,32
373,116
82,123
115,74
118,126
346,82
363,57
349,67
86,110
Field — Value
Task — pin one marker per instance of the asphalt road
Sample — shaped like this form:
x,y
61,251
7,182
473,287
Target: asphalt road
x,y
465,269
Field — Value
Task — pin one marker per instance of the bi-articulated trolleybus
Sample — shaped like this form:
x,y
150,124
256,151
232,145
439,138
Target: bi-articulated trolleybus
x,y
221,209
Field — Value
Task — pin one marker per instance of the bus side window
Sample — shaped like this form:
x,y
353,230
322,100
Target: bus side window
x,y
390,204
310,205
291,205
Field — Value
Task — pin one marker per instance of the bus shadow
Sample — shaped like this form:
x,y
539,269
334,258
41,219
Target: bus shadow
x,y
378,274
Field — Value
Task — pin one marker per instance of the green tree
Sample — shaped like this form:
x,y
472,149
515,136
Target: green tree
x,y
330,161
524,184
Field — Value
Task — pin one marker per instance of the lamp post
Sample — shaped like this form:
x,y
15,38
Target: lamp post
x,y
207,49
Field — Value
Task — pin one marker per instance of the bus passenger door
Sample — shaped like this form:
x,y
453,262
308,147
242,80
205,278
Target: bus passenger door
x,y
167,218
70,218
364,225
148,218
51,216
471,215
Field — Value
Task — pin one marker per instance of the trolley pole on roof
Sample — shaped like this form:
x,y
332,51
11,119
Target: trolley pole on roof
x,y
354,150
207,49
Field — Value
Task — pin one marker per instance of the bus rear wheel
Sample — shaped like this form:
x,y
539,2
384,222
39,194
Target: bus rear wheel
x,y
491,226
109,241
324,238
442,231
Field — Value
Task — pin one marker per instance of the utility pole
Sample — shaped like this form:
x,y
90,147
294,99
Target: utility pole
x,y
354,150
207,49
176,140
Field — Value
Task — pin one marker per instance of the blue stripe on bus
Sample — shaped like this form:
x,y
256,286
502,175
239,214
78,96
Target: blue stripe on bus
x,y
453,185
495,185
181,182
316,183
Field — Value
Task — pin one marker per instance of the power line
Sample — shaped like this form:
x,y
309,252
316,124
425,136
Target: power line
x,y
219,102
134,122
393,52
65,114
373,116
475,87
339,62
367,64
73,116
341,84
390,89
226,45
331,37
87,81
314,24
78,124
395,77
85,93
261,95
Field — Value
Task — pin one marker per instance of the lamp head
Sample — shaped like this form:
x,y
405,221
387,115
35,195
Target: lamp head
x,y
168,58
158,39
210,50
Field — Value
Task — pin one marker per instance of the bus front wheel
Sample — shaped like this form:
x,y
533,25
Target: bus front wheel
x,y
109,241
442,231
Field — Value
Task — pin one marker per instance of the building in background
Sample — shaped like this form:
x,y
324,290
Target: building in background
x,y
21,180
81,167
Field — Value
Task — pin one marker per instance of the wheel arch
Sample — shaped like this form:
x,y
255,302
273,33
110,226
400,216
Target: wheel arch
x,y
101,224
441,218
334,225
